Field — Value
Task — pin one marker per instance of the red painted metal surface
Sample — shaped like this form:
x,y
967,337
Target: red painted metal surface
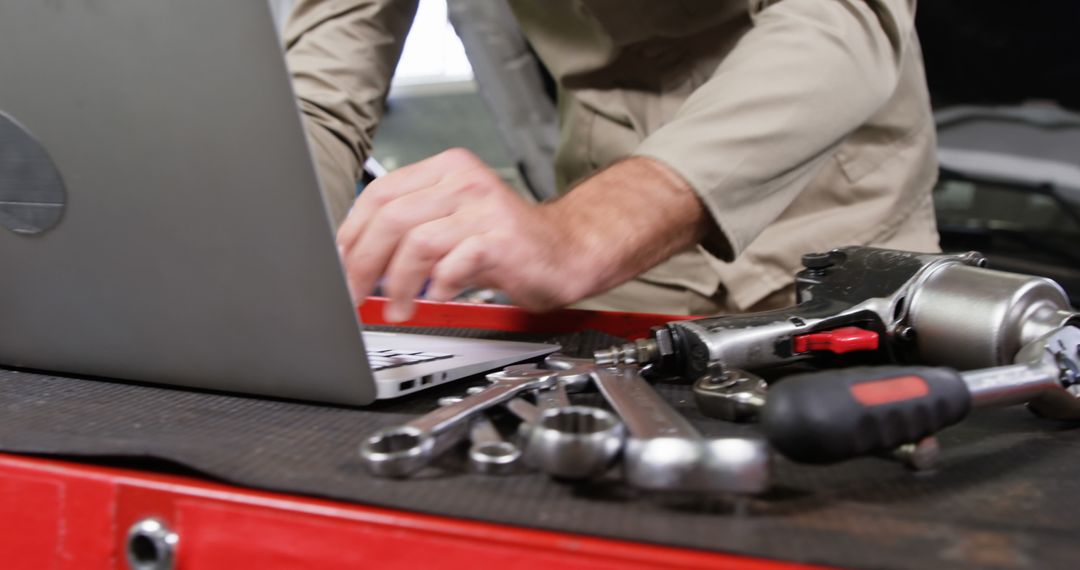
x,y
504,318
52,520
63,515
67,516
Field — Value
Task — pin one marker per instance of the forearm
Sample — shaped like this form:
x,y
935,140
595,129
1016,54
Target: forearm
x,y
756,133
626,219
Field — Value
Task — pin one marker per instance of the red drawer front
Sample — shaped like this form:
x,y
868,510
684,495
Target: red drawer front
x,y
58,515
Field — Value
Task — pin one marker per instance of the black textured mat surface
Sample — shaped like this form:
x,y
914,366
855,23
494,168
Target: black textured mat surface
x,y
1005,495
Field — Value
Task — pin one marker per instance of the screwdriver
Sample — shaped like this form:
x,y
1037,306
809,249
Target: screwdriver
x,y
830,416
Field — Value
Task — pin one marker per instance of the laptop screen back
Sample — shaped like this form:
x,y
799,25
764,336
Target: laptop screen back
x,y
193,246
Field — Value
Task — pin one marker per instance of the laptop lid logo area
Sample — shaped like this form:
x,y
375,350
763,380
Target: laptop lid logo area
x,y
32,193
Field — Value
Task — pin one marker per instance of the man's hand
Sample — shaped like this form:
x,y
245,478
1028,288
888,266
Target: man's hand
x,y
452,220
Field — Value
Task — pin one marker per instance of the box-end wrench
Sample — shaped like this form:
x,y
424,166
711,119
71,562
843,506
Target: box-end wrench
x,y
402,450
489,452
665,452
564,440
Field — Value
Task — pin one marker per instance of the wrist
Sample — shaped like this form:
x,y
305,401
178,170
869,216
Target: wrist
x,y
626,219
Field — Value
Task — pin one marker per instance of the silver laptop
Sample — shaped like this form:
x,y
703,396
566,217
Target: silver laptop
x,y
160,218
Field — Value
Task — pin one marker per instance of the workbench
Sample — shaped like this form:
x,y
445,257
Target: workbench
x,y
1004,496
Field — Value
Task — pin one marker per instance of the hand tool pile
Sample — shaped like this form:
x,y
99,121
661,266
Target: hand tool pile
x,y
901,346
657,447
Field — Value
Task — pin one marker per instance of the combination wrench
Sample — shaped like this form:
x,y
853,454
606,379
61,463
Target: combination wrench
x,y
564,440
489,452
665,452
402,450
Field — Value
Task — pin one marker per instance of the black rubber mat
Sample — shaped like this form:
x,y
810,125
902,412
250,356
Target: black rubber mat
x,y
1004,496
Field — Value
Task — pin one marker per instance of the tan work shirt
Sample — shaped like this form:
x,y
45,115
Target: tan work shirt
x,y
802,124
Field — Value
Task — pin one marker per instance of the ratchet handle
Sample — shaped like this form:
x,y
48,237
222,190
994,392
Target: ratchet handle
x,y
825,417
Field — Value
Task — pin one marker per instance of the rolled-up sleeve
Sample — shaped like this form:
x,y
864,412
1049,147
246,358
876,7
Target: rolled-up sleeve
x,y
341,55
755,133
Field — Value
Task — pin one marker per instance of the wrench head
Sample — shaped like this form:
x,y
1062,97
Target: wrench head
x,y
495,457
1059,350
735,396
720,465
518,369
575,442
573,372
560,361
523,372
397,451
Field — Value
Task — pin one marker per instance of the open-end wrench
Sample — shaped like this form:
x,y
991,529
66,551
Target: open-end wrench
x,y
555,396
402,450
573,372
664,452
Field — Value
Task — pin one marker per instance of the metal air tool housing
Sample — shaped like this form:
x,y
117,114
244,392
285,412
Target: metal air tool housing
x,y
968,317
904,307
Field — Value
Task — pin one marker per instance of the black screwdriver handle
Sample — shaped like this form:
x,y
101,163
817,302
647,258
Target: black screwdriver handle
x,y
824,417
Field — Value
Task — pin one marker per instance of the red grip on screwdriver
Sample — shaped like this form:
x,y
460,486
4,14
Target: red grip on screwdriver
x,y
829,416
889,390
837,341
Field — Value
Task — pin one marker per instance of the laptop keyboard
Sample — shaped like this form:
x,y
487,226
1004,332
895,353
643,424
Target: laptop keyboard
x,y
381,359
